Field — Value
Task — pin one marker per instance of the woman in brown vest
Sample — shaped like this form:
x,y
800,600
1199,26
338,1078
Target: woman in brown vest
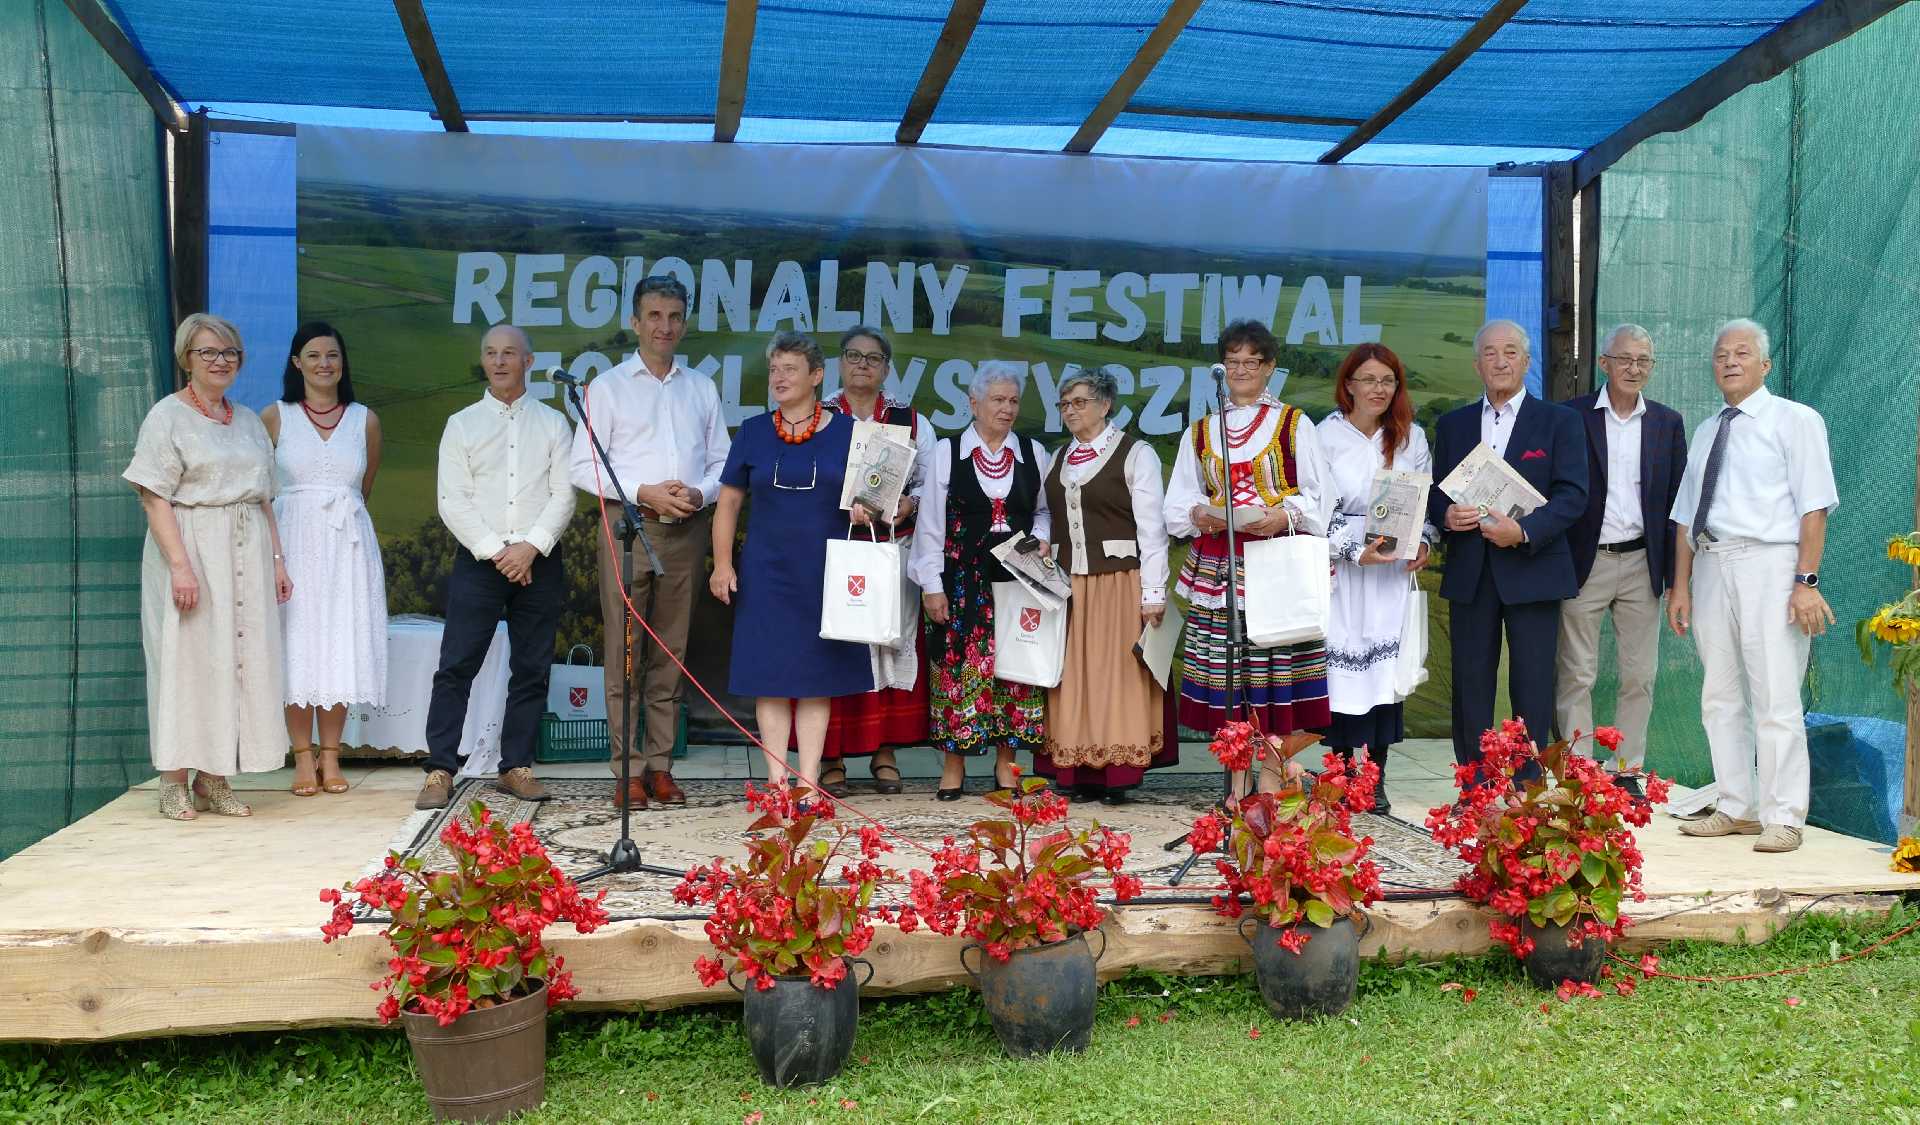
x,y
1106,722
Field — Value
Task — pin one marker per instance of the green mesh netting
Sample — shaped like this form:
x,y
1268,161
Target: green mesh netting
x,y
82,295
1794,203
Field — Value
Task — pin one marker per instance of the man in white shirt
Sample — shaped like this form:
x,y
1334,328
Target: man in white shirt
x,y
662,427
1622,548
1752,515
504,494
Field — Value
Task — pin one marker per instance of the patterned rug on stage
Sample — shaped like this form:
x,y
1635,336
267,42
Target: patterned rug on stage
x,y
580,822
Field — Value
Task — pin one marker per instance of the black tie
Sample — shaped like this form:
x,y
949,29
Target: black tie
x,y
1711,477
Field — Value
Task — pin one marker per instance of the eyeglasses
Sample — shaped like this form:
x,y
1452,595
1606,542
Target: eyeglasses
x,y
208,355
870,359
1245,364
1374,383
1634,362
807,487
1080,402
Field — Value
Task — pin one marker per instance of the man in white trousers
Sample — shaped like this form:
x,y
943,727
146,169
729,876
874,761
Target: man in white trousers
x,y
1752,515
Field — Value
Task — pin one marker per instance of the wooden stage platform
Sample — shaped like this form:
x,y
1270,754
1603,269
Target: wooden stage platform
x,y
125,925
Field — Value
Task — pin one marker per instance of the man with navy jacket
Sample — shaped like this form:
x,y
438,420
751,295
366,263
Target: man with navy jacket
x,y
1503,573
1622,546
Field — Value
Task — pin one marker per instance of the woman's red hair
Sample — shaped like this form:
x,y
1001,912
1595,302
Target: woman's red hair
x,y
1398,421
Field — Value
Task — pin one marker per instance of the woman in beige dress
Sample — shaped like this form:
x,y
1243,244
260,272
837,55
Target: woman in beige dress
x,y
211,576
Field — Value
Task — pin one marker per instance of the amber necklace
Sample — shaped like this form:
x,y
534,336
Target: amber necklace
x,y
202,407
791,432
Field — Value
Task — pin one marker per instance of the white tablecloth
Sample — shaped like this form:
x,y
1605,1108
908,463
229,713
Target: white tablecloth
x,y
413,654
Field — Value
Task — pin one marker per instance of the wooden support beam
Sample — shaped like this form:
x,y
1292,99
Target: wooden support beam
x,y
113,40
1821,25
1179,12
736,51
608,118
1559,359
1241,115
426,56
1910,808
1586,309
1449,61
962,18
191,181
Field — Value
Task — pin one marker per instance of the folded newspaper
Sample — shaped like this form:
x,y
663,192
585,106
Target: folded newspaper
x,y
1398,510
1042,577
1484,480
879,463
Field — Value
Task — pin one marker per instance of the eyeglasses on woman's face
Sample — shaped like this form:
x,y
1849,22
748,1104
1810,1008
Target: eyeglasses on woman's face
x,y
854,357
1375,383
210,356
1078,402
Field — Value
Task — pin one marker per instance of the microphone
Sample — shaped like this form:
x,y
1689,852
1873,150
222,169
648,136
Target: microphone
x,y
1219,372
555,375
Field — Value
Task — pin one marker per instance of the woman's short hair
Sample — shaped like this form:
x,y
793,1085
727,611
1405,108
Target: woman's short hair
x,y
1249,334
1098,381
871,333
218,325
293,385
997,371
800,344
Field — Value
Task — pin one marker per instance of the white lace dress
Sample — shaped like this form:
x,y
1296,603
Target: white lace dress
x,y
335,625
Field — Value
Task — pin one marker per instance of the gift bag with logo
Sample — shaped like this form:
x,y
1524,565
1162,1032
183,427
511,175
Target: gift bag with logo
x,y
578,691
1029,639
1289,590
861,600
1410,668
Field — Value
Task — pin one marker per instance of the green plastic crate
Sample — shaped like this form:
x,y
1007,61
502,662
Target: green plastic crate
x,y
585,740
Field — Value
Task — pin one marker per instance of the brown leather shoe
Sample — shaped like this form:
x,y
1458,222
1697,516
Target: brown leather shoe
x,y
635,794
520,782
661,788
436,791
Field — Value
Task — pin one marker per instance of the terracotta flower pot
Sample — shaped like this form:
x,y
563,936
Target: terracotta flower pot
x,y
487,1065
1040,999
1319,980
1553,960
801,1035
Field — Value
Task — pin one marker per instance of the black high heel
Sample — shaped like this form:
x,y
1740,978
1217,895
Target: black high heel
x,y
953,794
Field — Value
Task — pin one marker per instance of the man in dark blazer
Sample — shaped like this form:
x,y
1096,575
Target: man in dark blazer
x,y
1503,572
1622,546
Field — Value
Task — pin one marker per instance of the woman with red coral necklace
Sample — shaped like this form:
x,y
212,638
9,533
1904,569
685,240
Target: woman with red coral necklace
x,y
326,450
984,489
1266,461
210,576
792,460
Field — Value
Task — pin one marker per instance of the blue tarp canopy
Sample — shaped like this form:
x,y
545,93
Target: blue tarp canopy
x,y
1238,79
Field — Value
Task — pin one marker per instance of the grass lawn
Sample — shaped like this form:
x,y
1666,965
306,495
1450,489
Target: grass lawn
x,y
1848,1050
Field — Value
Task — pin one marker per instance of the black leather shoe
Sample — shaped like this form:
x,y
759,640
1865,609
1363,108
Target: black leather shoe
x,y
1115,797
1381,806
953,794
1631,783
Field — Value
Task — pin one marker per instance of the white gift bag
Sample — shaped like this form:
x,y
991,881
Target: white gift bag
x,y
1410,668
578,691
1029,640
1289,590
860,599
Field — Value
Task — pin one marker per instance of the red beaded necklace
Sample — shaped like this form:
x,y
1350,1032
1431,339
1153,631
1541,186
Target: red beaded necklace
x,y
202,407
314,416
880,406
997,468
790,432
1238,438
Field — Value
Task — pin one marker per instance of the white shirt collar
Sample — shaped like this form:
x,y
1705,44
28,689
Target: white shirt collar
x,y
1755,404
1100,439
1512,406
1602,402
970,440
641,371
506,409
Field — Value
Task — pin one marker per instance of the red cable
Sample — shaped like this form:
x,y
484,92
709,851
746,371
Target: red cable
x,y
1789,970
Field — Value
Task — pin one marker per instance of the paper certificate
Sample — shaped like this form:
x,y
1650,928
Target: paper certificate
x,y
1485,481
1042,577
1398,510
1158,643
879,464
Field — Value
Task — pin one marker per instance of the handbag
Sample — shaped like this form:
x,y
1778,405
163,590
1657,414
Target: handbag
x,y
1410,667
578,691
860,597
1029,640
1289,582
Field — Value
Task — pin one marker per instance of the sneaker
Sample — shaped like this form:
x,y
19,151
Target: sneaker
x,y
1778,838
437,791
1720,824
520,782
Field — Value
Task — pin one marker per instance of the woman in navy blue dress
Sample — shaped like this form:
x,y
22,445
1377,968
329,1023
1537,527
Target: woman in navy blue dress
x,y
791,460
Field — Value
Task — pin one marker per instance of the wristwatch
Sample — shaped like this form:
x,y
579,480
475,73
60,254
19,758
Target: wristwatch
x,y
1809,580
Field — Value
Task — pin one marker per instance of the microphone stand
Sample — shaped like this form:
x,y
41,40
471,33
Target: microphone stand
x,y
1236,642
624,856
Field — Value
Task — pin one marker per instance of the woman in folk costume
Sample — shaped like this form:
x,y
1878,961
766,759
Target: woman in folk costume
x,y
1106,722
894,713
983,490
1266,457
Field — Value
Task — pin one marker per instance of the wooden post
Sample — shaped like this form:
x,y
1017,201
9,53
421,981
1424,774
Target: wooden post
x,y
1558,353
1910,807
190,188
1587,360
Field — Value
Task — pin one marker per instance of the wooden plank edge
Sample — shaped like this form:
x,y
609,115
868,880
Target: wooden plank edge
x,y
736,52
132,62
955,34
1171,24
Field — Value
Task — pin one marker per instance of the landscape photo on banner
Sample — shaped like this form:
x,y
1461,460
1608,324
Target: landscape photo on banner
x,y
412,244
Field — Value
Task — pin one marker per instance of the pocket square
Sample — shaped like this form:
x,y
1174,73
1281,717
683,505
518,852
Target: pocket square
x,y
1532,453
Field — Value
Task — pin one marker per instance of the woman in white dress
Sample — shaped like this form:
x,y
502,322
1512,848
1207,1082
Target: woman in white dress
x,y
326,452
209,576
1372,429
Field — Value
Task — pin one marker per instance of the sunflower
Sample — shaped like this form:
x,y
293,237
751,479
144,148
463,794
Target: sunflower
x,y
1906,857
1905,549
